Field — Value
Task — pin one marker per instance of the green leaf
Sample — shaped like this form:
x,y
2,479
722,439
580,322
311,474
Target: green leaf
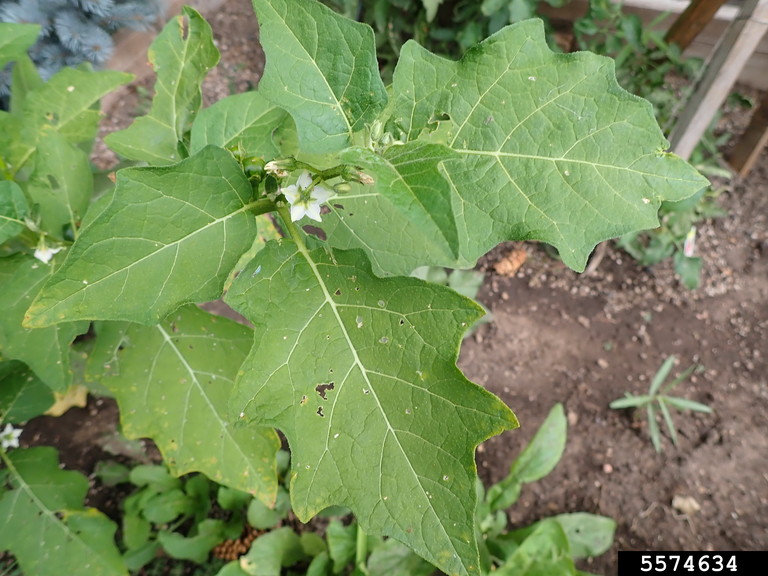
x,y
65,104
25,79
431,7
661,374
689,270
263,517
61,184
198,204
45,350
136,531
545,449
166,507
419,84
538,459
321,68
173,386
341,544
45,525
360,374
22,394
588,535
685,404
413,220
111,473
195,548
13,210
232,499
537,134
270,552
15,39
247,119
394,559
544,553
104,359
155,476
630,402
181,55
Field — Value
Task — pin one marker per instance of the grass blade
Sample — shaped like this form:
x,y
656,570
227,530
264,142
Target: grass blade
x,y
683,376
630,402
685,404
653,428
662,374
668,420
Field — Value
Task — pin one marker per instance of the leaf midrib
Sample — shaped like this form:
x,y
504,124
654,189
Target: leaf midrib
x,y
311,59
364,372
175,244
193,375
50,514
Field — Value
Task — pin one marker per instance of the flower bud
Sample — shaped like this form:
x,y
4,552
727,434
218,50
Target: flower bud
x,y
342,188
254,168
280,168
353,174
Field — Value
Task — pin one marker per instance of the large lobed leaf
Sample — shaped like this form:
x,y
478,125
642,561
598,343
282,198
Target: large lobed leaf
x,y
45,525
61,184
172,385
167,236
247,120
63,105
22,394
15,40
406,217
14,208
360,374
547,143
181,55
321,68
46,350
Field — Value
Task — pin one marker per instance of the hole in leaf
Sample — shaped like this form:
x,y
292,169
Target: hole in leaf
x,y
53,182
338,292
320,412
316,232
322,389
338,206
402,322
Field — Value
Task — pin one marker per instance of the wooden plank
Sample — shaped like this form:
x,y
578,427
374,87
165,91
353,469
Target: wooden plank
x,y
747,150
735,48
692,21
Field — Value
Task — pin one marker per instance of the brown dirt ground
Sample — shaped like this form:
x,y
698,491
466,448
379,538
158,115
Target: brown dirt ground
x,y
584,341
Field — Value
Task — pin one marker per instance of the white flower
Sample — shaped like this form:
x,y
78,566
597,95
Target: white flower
x,y
9,438
304,198
45,253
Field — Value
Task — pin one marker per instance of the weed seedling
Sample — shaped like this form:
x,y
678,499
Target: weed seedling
x,y
658,399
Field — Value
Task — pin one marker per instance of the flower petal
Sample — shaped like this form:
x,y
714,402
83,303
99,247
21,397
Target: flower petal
x,y
321,194
313,211
304,180
291,193
297,212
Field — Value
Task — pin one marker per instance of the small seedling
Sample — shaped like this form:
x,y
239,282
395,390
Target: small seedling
x,y
658,399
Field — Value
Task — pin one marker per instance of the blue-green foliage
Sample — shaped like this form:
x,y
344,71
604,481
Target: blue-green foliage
x,y
74,31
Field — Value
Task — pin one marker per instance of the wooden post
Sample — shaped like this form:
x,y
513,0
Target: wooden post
x,y
692,21
750,145
735,48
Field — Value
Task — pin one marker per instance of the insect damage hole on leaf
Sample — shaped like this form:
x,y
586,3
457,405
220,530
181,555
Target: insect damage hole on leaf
x,y
322,389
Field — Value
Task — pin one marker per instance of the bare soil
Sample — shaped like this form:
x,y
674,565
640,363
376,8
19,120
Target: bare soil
x,y
585,340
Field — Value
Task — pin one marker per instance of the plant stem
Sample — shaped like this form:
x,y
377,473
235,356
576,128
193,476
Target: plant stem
x,y
263,206
292,229
361,550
